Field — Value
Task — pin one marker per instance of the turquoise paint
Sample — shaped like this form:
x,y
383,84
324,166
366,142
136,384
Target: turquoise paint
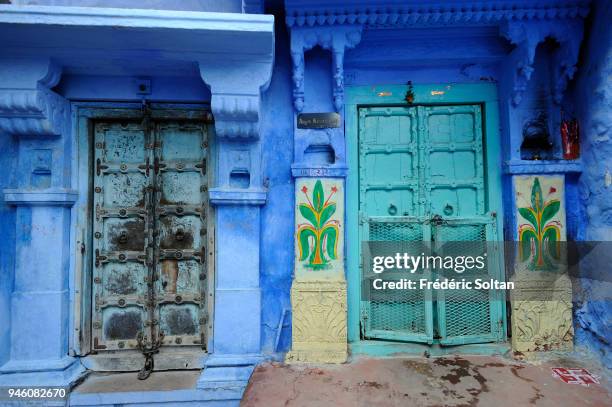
x,y
393,349
485,94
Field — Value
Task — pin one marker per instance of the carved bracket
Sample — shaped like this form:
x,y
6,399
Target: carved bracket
x,y
236,116
34,110
336,39
236,87
527,36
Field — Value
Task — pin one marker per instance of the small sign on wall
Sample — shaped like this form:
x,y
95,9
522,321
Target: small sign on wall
x,y
318,120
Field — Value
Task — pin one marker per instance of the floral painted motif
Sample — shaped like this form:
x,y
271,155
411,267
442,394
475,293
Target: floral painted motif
x,y
318,239
539,237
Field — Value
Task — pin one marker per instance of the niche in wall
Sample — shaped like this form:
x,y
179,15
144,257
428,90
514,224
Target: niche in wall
x,y
539,114
320,154
318,81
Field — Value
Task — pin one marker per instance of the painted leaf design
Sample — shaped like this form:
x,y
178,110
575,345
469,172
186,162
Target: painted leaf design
x,y
318,196
527,237
529,216
317,240
309,214
551,238
304,245
331,231
536,195
550,210
327,212
539,240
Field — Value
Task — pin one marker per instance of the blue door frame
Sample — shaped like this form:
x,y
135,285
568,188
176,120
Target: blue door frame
x,y
484,94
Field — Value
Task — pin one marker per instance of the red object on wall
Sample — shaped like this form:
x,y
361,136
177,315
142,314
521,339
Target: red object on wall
x,y
570,138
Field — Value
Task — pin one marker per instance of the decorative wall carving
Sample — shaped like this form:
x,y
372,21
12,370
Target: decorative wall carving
x,y
33,112
32,109
236,87
319,322
525,25
301,13
337,40
236,116
320,314
527,35
542,325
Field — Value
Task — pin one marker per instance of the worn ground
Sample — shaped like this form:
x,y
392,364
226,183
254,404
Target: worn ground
x,y
448,381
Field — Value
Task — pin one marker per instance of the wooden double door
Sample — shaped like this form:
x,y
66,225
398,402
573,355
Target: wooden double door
x,y
422,183
150,217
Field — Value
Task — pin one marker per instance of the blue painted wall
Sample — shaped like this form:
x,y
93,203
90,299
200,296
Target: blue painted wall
x,y
226,6
471,55
8,150
594,109
277,215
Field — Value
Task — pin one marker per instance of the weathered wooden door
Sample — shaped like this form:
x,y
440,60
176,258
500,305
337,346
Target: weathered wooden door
x,y
149,233
422,180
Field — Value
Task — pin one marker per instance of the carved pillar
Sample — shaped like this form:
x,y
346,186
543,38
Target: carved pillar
x,y
237,196
542,299
40,120
318,292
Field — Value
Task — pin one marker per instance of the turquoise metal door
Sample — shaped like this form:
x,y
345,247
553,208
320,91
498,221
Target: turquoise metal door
x,y
422,179
149,229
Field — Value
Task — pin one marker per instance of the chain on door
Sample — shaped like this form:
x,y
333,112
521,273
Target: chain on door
x,y
149,235
422,181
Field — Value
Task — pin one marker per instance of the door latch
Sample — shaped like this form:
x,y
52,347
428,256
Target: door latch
x,y
437,220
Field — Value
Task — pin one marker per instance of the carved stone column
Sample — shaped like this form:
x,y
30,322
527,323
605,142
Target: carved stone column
x,y
237,197
40,305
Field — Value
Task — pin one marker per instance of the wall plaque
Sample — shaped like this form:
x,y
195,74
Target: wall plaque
x,y
318,120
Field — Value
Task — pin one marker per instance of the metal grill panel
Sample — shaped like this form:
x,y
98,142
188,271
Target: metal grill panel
x,y
404,315
465,316
398,314
395,232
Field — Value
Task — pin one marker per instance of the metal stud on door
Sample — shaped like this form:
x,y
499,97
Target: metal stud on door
x,y
122,234
180,219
